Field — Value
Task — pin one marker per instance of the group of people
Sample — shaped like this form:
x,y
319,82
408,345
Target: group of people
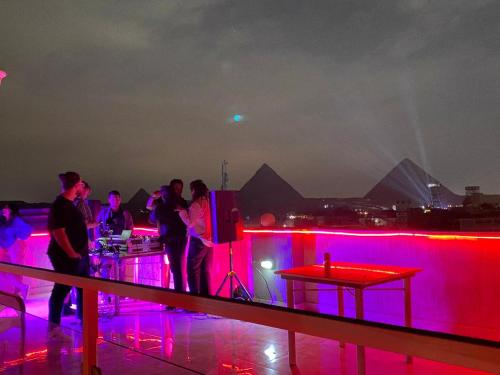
x,y
72,226
177,223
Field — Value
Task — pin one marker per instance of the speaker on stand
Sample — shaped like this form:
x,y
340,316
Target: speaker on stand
x,y
226,228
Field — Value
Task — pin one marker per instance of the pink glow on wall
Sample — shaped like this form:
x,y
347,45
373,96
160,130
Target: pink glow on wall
x,y
38,243
457,290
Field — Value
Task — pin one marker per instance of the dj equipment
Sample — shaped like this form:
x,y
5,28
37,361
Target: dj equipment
x,y
132,245
144,244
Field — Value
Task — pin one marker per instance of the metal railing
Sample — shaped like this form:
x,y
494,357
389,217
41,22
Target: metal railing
x,y
456,350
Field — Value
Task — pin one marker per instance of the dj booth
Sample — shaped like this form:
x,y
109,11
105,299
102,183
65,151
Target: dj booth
x,y
123,257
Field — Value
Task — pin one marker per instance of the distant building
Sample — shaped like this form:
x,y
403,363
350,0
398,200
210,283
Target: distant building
x,y
475,199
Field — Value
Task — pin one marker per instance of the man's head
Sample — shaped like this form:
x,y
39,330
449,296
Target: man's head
x,y
86,190
71,183
164,192
198,189
7,211
176,186
114,199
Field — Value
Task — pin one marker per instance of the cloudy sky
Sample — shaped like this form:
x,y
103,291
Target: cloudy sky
x,y
334,93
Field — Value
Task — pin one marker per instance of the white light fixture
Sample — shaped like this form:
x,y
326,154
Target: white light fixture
x,y
267,264
270,352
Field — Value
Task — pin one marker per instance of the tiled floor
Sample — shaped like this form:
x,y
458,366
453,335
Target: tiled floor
x,y
147,339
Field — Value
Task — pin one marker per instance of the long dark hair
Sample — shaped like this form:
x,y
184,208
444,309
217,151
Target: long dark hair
x,y
14,211
199,189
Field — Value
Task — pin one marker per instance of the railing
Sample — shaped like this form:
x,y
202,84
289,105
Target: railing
x,y
452,349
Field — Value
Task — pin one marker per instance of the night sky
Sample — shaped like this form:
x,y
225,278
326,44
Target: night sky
x,y
333,93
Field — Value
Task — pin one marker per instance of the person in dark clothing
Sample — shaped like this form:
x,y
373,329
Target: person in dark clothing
x,y
163,205
13,235
114,218
68,248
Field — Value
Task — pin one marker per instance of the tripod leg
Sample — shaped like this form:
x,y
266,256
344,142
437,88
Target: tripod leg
x,y
221,285
243,286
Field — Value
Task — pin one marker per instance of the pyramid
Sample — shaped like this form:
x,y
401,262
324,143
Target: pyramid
x,y
407,182
266,192
139,200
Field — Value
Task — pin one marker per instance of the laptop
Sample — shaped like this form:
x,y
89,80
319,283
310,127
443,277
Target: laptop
x,y
126,233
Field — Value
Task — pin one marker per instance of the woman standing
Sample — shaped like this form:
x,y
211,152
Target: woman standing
x,y
13,233
197,220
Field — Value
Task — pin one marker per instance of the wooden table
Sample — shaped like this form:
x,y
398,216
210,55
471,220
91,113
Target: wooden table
x,y
348,275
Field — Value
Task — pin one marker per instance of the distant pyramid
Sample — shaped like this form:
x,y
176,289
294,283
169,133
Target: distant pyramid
x,y
266,192
409,183
139,200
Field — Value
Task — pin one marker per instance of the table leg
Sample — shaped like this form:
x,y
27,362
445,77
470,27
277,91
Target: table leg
x,y
162,271
118,277
292,356
360,350
408,323
340,304
90,329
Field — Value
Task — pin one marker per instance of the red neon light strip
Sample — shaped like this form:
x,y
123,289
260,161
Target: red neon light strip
x,y
340,233
388,234
152,230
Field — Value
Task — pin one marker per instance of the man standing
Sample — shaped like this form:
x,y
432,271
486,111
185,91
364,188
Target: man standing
x,y
82,203
171,229
68,248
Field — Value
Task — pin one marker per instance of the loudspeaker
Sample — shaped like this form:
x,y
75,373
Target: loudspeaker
x,y
226,223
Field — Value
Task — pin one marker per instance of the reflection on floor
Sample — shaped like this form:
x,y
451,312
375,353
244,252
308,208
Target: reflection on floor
x,y
146,338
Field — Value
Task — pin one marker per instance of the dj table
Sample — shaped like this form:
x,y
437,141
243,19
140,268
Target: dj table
x,y
115,262
344,276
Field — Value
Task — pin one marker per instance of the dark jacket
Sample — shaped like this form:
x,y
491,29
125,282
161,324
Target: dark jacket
x,y
170,225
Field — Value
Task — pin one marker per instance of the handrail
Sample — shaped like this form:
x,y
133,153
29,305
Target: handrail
x,y
12,301
457,350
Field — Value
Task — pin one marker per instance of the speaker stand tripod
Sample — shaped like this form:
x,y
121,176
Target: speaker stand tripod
x,y
230,275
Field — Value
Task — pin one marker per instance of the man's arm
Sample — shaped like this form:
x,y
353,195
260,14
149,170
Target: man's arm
x,y
151,204
63,241
129,222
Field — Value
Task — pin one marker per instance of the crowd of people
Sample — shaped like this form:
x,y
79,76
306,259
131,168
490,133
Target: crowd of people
x,y
73,228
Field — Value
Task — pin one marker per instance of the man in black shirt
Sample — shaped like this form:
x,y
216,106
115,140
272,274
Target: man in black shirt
x,y
68,247
171,228
114,218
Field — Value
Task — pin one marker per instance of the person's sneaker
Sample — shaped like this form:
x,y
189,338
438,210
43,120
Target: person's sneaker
x,y
56,334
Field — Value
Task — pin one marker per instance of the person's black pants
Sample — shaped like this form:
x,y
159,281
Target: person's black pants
x,y
176,250
64,264
198,267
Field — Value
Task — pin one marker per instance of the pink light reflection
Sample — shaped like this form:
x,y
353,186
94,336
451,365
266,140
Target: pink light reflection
x,y
3,74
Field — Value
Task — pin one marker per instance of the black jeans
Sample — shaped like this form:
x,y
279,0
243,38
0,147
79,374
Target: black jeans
x,y
198,267
63,264
176,250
